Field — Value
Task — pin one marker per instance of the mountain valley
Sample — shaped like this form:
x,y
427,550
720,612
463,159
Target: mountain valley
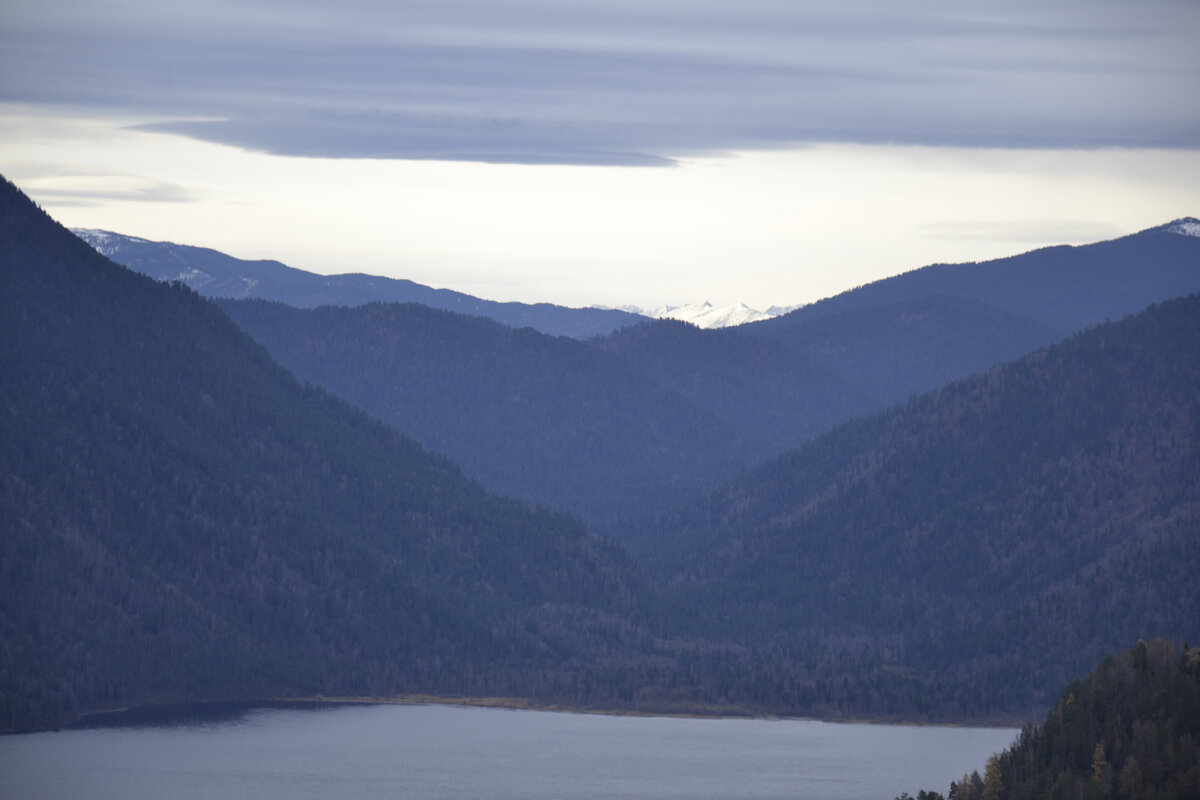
x,y
936,498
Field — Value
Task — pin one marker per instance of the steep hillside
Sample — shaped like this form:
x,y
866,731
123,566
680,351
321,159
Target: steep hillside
x,y
548,419
183,520
1129,731
775,396
913,332
215,274
908,348
991,538
1064,288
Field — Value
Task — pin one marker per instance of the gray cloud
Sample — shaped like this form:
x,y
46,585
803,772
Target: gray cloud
x,y
62,185
616,82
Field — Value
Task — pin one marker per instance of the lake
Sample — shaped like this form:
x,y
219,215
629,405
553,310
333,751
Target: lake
x,y
436,752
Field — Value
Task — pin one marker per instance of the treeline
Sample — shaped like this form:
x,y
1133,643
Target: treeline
x,y
217,275
1129,731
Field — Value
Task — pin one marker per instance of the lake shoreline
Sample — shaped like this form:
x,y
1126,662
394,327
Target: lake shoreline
x,y
356,747
202,710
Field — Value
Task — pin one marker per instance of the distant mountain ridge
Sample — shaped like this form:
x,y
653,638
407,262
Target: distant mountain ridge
x,y
1064,287
555,422
215,274
913,332
548,419
705,315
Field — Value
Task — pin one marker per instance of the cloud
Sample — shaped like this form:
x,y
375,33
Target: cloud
x,y
340,134
62,186
616,82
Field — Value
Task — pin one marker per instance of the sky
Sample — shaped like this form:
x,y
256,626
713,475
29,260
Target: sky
x,y
763,151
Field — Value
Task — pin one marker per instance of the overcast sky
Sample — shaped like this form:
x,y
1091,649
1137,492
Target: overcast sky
x,y
606,152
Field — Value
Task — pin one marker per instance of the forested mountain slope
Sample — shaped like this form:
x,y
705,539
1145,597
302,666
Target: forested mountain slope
x,y
1063,287
775,396
668,411
183,520
549,419
1129,731
907,348
1001,533
913,332
637,422
215,274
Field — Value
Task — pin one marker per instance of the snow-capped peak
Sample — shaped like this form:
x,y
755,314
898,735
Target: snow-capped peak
x,y
104,242
1188,226
93,235
687,312
706,315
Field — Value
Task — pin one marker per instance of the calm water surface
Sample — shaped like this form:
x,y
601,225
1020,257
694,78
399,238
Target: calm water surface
x,y
451,753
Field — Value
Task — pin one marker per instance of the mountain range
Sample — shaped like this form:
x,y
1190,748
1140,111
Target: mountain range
x,y
185,520
215,274
218,275
653,415
588,427
706,315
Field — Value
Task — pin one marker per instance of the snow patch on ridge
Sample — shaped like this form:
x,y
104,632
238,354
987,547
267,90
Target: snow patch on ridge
x,y
105,242
706,315
1188,226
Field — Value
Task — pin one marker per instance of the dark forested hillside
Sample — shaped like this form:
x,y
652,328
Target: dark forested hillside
x,y
1129,731
545,418
183,520
1063,288
215,274
989,539
775,396
908,348
914,332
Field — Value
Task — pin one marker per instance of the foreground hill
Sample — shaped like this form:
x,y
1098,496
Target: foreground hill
x,y
1130,730
989,539
183,520
215,274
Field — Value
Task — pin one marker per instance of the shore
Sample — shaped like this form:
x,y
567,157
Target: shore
x,y
216,710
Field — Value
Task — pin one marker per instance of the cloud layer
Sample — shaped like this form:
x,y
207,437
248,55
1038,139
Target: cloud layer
x,y
614,82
